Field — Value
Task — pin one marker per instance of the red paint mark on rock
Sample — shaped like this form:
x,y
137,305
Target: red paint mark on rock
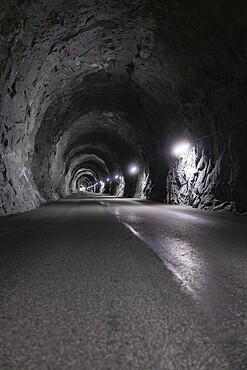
x,y
74,50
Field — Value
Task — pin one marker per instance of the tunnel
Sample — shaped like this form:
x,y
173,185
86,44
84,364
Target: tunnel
x,y
106,86
123,184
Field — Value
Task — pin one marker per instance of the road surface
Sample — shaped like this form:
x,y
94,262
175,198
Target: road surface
x,y
93,282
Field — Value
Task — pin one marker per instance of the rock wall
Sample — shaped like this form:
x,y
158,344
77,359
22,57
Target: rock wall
x,y
204,181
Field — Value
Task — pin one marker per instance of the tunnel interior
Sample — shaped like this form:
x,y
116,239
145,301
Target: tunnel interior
x,y
91,89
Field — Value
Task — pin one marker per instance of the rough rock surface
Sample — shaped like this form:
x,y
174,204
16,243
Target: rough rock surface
x,y
197,180
90,87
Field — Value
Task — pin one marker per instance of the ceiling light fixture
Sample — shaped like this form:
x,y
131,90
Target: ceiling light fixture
x,y
133,169
181,148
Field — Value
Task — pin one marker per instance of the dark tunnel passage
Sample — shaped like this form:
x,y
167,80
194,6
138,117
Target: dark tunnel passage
x,y
123,179
91,90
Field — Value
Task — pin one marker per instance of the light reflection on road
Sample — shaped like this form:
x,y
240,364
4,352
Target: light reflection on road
x,y
178,256
206,254
199,248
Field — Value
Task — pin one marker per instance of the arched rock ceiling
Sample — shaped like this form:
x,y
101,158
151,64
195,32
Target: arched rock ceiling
x,y
89,161
86,177
101,151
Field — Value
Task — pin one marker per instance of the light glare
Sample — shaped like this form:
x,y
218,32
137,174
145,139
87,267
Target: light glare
x,y
133,169
181,148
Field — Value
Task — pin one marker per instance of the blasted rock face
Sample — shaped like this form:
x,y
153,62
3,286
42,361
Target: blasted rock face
x,y
196,180
122,82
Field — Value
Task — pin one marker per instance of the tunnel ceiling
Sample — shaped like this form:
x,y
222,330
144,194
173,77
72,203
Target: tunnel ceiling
x,y
98,85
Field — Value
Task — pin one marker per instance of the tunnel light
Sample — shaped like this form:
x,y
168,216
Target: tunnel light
x,y
181,149
133,169
116,176
92,186
108,179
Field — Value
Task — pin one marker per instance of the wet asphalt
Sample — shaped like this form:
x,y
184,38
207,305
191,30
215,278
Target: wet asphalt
x,y
93,282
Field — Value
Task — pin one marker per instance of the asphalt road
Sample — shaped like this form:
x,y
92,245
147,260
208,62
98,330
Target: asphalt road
x,y
108,283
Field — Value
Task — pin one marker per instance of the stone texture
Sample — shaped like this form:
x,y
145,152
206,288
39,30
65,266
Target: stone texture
x,y
123,81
